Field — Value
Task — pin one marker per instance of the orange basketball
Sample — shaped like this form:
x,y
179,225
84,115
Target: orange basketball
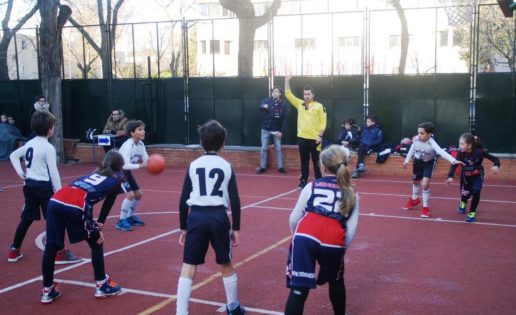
x,y
155,164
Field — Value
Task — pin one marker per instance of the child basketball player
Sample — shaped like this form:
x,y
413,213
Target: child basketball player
x,y
135,157
208,189
323,224
471,173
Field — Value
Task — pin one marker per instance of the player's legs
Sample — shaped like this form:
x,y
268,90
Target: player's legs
x,y
304,156
277,151
123,224
55,231
265,135
132,217
184,288
296,301
315,160
476,183
337,293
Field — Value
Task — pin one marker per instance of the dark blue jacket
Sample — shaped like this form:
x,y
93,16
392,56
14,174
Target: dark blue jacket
x,y
349,135
273,117
371,136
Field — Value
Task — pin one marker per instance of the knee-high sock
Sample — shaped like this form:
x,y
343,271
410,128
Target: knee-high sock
x,y
125,208
184,289
230,285
474,202
337,291
426,196
132,208
415,190
296,301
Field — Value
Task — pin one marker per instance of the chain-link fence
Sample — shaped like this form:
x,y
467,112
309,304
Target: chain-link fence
x,y
322,44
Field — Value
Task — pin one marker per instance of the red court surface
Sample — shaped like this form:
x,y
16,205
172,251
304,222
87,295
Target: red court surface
x,y
397,264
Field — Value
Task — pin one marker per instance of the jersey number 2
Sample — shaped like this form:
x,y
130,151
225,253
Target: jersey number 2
x,y
216,172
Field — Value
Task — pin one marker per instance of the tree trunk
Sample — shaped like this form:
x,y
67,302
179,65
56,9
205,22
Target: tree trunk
x,y
4,69
246,47
51,60
404,36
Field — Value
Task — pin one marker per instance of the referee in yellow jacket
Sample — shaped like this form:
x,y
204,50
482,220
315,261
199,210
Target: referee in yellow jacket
x,y
311,123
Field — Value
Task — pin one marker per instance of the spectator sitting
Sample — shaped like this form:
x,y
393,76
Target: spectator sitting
x,y
370,138
115,126
41,104
3,118
9,138
348,135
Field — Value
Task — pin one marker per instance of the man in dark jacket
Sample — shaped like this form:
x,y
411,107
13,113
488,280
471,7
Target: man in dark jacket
x,y
370,138
273,124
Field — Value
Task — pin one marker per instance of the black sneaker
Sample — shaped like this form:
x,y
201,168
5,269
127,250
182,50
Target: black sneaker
x,y
302,184
48,295
282,170
235,309
260,170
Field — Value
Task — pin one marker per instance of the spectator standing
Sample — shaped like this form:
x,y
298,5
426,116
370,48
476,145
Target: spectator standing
x,y
273,125
311,123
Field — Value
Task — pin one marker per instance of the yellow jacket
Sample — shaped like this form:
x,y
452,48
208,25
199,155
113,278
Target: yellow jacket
x,y
311,122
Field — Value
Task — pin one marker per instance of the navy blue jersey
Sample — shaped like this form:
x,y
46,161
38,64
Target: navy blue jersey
x,y
324,199
473,162
87,190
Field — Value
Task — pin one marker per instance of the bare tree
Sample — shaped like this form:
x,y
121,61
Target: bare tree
x,y
248,23
8,33
108,24
53,18
404,35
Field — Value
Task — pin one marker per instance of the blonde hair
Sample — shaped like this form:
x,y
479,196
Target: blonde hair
x,y
335,158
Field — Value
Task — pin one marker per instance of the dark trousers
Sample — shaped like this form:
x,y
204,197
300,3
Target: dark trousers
x,y
308,147
362,152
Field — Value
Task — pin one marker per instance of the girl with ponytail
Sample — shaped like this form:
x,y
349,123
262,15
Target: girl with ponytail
x,y
323,224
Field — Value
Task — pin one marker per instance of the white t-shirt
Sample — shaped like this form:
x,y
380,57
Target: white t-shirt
x,y
427,151
40,161
133,153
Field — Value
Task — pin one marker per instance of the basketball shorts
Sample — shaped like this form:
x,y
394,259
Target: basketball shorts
x,y
133,185
422,169
207,225
471,184
318,239
37,194
61,217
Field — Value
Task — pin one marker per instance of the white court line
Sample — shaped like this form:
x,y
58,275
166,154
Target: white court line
x,y
167,296
18,285
21,185
372,214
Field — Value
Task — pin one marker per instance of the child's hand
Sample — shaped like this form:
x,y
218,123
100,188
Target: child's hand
x,y
101,238
448,181
143,164
182,238
99,226
405,164
235,238
457,162
495,169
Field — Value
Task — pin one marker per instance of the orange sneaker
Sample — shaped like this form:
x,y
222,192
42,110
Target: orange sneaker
x,y
425,212
411,203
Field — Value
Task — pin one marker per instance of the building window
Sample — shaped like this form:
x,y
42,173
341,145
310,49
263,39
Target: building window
x,y
215,46
203,9
24,44
227,44
443,38
305,43
260,44
203,46
348,42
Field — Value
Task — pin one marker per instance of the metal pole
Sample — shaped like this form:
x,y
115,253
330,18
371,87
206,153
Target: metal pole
x,y
134,53
332,48
157,45
366,60
16,56
186,75
84,70
37,52
212,46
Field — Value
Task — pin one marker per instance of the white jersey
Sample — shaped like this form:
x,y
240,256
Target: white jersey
x,y
40,161
210,176
133,154
427,151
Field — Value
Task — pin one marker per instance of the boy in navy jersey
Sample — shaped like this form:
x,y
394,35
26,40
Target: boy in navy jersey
x,y
41,181
471,174
71,208
135,157
208,189
323,224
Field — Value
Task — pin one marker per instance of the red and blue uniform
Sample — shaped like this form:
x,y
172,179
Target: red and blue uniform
x,y
321,235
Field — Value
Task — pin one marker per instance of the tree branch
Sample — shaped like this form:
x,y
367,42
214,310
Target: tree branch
x,y
26,17
268,14
117,7
64,13
85,34
241,8
7,17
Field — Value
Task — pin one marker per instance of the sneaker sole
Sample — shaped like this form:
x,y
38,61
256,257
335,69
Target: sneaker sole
x,y
50,301
138,224
14,259
424,216
122,229
66,262
106,295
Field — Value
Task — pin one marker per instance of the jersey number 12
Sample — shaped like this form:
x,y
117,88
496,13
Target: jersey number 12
x,y
214,173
